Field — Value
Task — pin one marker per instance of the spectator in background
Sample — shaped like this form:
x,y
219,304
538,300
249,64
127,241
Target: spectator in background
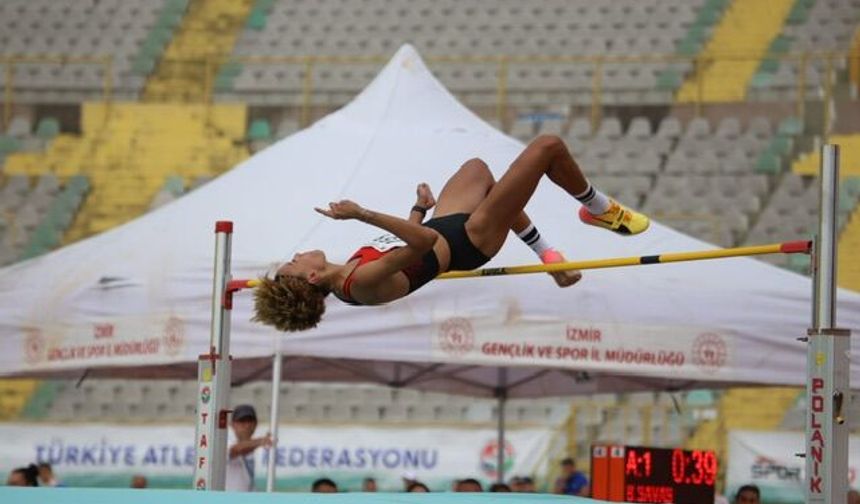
x,y
368,485
46,476
408,478
240,463
139,481
24,476
324,485
417,486
748,494
469,485
571,481
499,487
527,485
853,497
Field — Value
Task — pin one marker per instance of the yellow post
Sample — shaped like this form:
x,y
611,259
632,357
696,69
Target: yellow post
x,y
801,87
571,430
646,425
207,79
502,90
854,62
828,95
7,92
596,86
307,89
700,84
108,91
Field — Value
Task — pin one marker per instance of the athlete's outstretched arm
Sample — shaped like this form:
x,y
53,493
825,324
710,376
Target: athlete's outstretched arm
x,y
417,237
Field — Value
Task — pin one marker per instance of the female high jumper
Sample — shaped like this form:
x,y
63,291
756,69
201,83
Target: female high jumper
x,y
469,225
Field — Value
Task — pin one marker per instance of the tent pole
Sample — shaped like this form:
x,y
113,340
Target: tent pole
x,y
502,395
826,448
273,417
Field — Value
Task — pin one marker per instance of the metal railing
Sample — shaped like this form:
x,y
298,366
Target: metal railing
x,y
498,85
9,64
854,64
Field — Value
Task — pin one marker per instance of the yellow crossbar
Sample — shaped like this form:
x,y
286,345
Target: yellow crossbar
x,y
793,247
774,248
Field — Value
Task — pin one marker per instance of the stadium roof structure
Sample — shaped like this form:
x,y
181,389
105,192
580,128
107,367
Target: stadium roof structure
x,y
136,300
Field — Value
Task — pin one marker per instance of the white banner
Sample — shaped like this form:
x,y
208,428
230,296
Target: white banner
x,y
676,351
109,454
768,459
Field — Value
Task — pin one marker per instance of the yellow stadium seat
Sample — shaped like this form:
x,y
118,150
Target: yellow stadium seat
x,y
738,44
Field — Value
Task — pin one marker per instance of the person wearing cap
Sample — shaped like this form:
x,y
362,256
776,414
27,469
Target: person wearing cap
x,y
240,463
408,478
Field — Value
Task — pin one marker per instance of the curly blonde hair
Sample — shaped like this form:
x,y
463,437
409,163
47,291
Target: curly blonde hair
x,y
289,303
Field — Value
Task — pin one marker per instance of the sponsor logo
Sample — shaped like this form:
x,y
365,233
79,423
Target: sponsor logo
x,y
490,458
456,336
201,484
815,450
173,336
34,345
205,394
101,331
709,352
766,468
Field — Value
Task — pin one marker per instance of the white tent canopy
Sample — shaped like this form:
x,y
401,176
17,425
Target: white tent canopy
x,y
136,300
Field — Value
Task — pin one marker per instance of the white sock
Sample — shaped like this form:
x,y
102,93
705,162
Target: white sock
x,y
531,236
595,201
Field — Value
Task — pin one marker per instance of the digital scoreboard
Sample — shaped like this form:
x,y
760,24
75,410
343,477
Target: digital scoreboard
x,y
659,475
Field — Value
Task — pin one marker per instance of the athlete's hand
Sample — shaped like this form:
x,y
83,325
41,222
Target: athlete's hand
x,y
343,210
425,196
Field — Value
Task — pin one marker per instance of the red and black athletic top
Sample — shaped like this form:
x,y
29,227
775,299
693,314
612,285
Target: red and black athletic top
x,y
418,273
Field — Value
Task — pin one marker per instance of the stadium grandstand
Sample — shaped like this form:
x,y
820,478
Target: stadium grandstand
x,y
706,115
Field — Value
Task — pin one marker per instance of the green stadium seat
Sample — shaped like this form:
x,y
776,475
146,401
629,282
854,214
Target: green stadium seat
x,y
260,130
175,185
799,263
799,11
791,126
761,80
781,145
768,163
670,79
143,66
769,65
48,128
689,47
780,45
709,17
9,144
257,19
700,398
79,184
851,185
227,75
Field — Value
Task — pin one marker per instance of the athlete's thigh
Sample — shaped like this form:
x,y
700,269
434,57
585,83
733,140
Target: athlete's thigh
x,y
465,190
490,221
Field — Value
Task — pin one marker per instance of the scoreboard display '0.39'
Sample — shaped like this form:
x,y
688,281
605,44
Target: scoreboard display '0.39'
x,y
659,475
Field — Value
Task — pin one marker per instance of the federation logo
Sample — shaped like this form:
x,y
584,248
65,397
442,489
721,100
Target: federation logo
x,y
709,352
205,394
173,336
456,336
490,458
34,345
